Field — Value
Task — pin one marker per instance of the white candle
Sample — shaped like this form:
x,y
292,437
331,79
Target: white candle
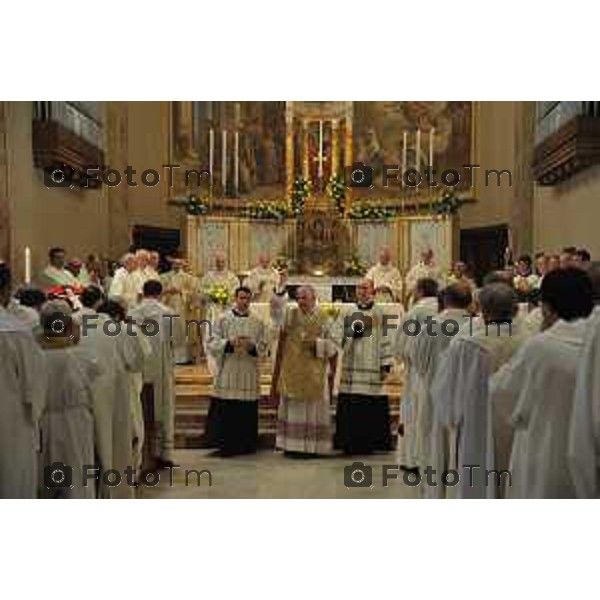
x,y
417,149
211,153
431,134
27,265
320,150
404,140
236,164
224,162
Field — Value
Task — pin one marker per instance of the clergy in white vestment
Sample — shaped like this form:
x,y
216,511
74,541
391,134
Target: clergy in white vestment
x,y
238,341
156,320
22,400
386,279
424,269
426,306
153,268
363,410
26,305
144,271
67,424
262,280
124,286
433,441
219,276
584,435
538,385
103,334
460,390
179,293
55,274
301,378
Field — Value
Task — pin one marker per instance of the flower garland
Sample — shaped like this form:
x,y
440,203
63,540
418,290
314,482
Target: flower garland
x,y
194,205
448,204
355,267
300,192
268,209
337,191
370,211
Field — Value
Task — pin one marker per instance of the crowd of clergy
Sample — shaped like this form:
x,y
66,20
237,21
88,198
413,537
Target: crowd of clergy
x,y
501,382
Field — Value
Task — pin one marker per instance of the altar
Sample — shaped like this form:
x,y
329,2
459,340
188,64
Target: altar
x,y
242,240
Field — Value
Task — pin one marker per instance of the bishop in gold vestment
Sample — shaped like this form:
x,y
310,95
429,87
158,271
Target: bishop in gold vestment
x,y
301,378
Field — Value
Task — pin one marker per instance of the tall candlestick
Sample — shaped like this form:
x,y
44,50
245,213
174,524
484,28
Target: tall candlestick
x,y
418,149
320,173
27,265
236,163
431,134
224,162
404,141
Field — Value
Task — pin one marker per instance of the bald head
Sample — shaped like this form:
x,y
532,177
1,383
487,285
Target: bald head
x,y
364,291
505,277
385,256
498,302
306,297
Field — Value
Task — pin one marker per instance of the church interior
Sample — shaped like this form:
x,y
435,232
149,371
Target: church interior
x,y
313,195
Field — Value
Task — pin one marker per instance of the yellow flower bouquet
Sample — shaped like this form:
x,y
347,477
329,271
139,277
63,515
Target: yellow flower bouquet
x,y
219,294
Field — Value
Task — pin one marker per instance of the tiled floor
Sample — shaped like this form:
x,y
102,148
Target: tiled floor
x,y
271,475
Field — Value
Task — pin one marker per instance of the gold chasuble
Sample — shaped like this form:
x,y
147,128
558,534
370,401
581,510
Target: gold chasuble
x,y
303,372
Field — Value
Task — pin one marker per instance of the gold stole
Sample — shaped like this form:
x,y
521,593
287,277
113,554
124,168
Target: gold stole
x,y
302,375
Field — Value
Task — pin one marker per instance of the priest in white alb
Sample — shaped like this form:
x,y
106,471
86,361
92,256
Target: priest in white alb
x,y
460,390
426,305
125,285
539,383
67,424
23,383
427,351
426,268
159,382
179,293
584,435
386,279
262,280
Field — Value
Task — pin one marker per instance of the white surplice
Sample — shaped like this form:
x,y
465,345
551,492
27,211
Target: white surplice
x,y
426,353
22,401
460,394
584,437
386,276
426,307
540,383
112,399
67,424
158,369
125,287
